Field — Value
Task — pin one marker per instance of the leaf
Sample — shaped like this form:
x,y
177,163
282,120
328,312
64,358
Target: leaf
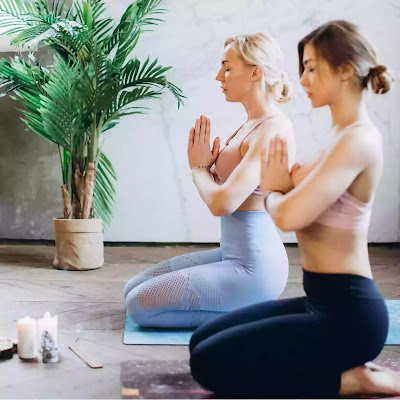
x,y
41,32
18,14
133,75
61,113
104,190
87,15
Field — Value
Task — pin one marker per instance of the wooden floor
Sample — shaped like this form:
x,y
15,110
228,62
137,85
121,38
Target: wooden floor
x,y
90,308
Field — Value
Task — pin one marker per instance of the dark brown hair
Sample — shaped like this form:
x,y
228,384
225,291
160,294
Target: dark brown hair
x,y
340,42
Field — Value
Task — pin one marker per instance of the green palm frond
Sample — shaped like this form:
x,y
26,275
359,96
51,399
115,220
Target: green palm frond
x,y
68,46
115,112
18,14
43,31
8,86
42,6
61,114
133,74
98,7
104,190
149,10
103,28
123,29
60,8
119,107
176,92
137,17
139,82
105,74
27,81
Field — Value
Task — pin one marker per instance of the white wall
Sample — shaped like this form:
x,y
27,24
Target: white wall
x,y
157,200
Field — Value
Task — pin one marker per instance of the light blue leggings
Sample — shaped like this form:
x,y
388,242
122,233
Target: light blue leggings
x,y
249,267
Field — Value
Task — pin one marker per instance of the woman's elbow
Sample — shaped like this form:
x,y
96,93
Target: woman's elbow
x,y
283,224
284,219
219,205
218,210
287,223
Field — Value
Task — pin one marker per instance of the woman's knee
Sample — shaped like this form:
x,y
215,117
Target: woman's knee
x,y
136,311
202,367
194,340
135,282
201,333
130,285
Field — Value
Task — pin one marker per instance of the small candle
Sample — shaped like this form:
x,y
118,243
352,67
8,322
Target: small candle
x,y
49,324
27,338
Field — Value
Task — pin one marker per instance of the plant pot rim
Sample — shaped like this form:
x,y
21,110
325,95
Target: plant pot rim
x,y
76,219
92,225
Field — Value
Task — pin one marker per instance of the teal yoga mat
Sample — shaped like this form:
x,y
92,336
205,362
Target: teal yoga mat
x,y
134,334
394,322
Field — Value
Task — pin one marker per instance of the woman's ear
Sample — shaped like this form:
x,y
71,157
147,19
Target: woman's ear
x,y
256,73
347,71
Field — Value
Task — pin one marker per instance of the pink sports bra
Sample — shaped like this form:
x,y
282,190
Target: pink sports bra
x,y
229,157
347,212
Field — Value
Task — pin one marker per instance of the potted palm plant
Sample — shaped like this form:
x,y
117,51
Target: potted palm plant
x,y
91,83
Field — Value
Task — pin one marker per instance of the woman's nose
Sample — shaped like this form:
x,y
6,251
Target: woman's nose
x,y
303,80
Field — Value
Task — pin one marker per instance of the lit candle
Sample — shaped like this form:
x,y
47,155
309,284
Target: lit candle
x,y
27,338
49,324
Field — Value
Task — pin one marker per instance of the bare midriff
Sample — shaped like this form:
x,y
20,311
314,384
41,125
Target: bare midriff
x,y
253,203
326,249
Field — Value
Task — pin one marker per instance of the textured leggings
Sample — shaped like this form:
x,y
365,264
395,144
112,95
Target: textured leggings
x,y
188,290
293,347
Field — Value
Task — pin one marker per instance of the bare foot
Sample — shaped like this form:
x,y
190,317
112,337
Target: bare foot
x,y
363,380
376,367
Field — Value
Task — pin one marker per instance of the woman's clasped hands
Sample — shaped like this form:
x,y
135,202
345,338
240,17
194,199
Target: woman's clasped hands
x,y
199,152
275,174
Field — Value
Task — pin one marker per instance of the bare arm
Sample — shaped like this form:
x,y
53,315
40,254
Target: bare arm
x,y
215,175
326,183
227,197
301,170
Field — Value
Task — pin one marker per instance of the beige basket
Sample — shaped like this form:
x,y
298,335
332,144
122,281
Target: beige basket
x,y
79,244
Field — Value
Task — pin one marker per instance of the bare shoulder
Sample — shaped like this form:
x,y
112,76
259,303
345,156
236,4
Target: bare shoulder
x,y
363,142
279,124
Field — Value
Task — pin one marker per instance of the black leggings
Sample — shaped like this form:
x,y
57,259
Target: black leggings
x,y
294,347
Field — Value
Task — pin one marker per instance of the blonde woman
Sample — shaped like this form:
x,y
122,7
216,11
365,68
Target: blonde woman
x,y
251,264
319,345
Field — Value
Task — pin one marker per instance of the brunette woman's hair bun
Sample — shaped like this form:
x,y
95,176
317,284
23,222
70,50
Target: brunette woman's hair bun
x,y
379,79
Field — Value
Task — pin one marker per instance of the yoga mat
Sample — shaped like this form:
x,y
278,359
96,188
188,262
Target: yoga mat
x,y
134,334
394,322
162,379
159,379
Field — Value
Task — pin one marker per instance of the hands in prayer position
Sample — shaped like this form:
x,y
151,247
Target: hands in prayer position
x,y
275,174
199,153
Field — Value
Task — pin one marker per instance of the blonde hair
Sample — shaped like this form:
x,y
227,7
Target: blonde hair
x,y
263,51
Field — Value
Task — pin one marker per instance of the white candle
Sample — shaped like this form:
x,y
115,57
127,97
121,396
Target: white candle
x,y
27,338
49,324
